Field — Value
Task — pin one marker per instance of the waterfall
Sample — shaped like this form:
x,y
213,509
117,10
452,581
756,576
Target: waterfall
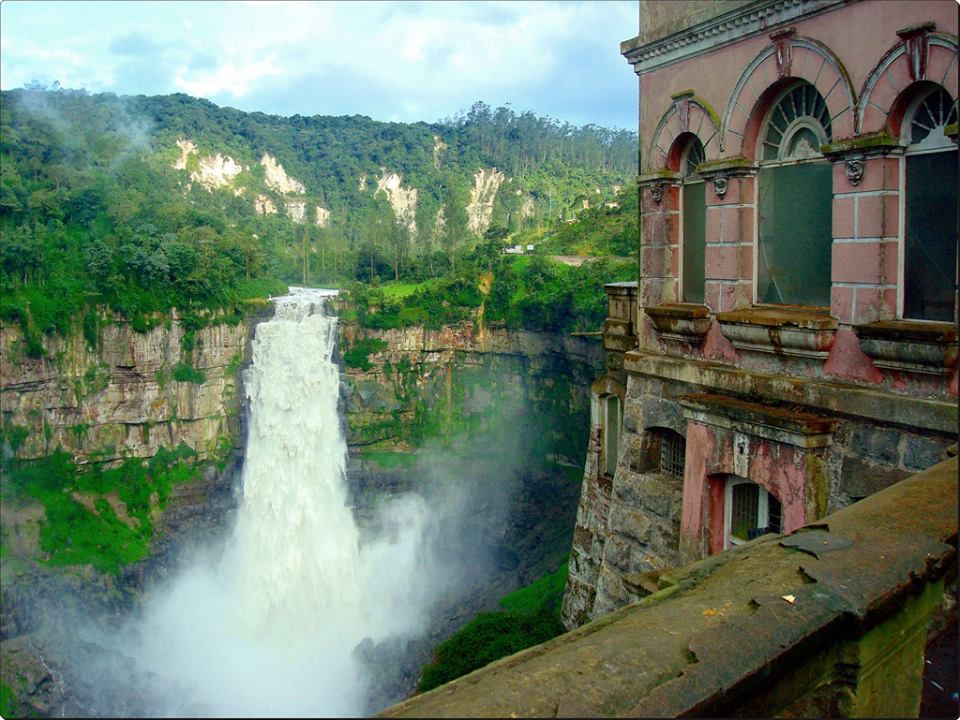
x,y
270,629
296,539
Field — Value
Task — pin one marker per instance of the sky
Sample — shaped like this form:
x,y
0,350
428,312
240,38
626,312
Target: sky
x,y
392,61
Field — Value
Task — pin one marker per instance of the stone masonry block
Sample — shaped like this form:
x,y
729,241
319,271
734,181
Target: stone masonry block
x,y
919,453
867,305
876,444
939,61
634,524
874,120
722,262
898,74
870,216
843,217
856,262
860,478
841,304
745,255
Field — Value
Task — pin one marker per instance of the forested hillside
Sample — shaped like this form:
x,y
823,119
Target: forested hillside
x,y
146,203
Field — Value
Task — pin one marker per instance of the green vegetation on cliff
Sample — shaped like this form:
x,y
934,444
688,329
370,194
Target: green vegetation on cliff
x,y
530,616
530,292
95,515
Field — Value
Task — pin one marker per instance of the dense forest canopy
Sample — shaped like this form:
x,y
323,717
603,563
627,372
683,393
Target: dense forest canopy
x,y
103,199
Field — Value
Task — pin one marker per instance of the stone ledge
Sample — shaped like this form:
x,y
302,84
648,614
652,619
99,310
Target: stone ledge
x,y
846,399
911,345
681,322
772,422
799,332
760,630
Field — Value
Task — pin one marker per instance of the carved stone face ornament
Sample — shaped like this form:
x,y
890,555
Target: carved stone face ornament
x,y
656,192
720,186
855,170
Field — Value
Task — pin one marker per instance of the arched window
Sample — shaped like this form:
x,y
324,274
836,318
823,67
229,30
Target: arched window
x,y
749,511
930,208
694,226
610,430
795,196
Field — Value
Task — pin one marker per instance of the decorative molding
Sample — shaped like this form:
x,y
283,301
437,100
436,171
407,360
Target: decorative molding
x,y
940,39
720,185
782,52
855,170
683,110
916,43
739,24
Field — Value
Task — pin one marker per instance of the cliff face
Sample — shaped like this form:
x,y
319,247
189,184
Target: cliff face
x,y
100,405
500,417
489,426
123,398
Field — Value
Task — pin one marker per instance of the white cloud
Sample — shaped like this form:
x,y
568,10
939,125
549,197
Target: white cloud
x,y
233,76
419,61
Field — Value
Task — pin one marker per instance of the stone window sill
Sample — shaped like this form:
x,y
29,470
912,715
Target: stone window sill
x,y
781,330
683,322
910,345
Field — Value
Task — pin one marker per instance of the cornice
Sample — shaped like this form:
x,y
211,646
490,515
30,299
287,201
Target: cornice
x,y
738,24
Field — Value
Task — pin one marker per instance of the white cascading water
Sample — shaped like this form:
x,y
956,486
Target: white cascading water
x,y
270,629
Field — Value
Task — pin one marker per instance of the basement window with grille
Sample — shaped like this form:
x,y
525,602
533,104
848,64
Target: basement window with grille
x,y
749,512
672,451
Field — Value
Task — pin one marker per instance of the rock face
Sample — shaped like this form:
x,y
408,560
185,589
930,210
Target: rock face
x,y
297,211
402,200
482,195
214,171
508,414
263,205
323,217
119,399
438,146
277,178
123,398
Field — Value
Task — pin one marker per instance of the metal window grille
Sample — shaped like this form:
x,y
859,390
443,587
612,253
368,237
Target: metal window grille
x,y
774,515
745,508
672,450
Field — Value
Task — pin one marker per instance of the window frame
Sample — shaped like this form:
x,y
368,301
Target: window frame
x,y
909,149
793,127
606,468
763,509
689,178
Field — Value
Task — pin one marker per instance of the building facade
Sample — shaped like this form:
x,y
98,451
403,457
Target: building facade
x,y
791,343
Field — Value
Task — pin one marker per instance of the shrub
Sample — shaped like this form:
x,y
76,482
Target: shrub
x,y
182,372
358,355
531,617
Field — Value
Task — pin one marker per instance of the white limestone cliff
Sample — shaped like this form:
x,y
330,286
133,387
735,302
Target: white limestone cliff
x,y
480,206
277,177
402,200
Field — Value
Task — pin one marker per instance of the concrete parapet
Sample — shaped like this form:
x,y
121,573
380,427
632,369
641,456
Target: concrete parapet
x,y
830,620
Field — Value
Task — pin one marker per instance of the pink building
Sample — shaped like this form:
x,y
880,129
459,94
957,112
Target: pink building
x,y
791,345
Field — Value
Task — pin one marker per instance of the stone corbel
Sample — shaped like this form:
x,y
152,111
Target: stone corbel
x,y
854,153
